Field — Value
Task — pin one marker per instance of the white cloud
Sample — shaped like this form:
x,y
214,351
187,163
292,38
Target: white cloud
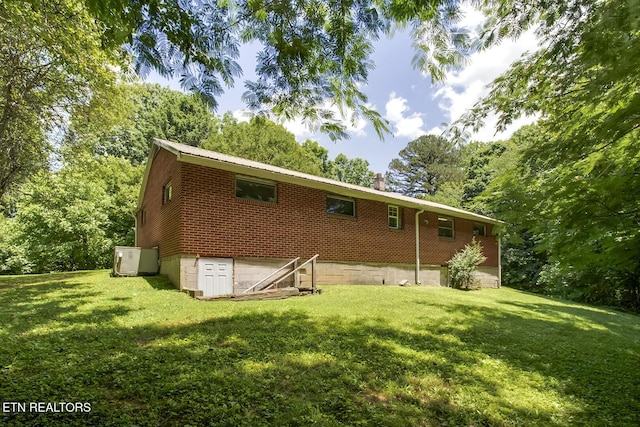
x,y
298,128
243,115
462,89
403,124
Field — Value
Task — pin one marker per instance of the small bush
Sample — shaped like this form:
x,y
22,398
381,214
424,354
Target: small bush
x,y
463,264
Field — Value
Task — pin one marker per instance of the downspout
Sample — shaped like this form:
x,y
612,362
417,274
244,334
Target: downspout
x,y
135,229
418,246
499,261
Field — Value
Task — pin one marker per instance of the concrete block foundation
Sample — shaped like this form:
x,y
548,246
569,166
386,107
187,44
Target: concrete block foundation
x,y
182,271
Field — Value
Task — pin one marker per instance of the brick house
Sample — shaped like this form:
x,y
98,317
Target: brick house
x,y
231,221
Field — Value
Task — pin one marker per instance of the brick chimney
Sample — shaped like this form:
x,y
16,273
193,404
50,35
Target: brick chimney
x,y
378,182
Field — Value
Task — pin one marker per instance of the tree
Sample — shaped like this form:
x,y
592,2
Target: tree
x,y
321,155
494,186
263,141
150,111
13,256
313,50
72,219
52,61
425,164
353,171
577,200
63,220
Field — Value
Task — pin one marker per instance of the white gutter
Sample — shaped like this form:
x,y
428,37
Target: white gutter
x,y
135,230
499,261
418,246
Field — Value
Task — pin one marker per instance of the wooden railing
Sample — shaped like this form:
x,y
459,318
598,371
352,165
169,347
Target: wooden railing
x,y
311,260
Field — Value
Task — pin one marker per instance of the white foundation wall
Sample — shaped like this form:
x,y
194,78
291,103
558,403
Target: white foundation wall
x,y
488,277
170,267
332,273
182,271
249,271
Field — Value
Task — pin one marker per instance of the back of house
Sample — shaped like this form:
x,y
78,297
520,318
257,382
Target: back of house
x,y
221,224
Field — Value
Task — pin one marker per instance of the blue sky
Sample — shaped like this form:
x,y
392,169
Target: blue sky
x,y
402,94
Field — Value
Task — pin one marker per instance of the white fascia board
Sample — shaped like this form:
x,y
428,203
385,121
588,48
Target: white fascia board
x,y
155,146
145,178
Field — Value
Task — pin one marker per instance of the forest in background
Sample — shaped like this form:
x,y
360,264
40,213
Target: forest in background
x,y
73,132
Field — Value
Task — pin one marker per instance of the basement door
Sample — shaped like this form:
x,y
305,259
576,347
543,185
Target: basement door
x,y
215,276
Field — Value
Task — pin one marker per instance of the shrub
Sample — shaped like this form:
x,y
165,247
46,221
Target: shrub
x,y
463,264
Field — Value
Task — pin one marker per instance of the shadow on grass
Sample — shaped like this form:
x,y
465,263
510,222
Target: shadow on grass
x,y
34,279
285,369
580,315
160,283
591,354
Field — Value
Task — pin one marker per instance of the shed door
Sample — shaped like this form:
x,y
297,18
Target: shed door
x,y
215,276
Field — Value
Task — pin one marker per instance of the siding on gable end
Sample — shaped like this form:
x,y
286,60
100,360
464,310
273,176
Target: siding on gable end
x,y
162,227
217,224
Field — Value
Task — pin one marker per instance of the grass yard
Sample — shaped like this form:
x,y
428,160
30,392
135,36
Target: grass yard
x,y
141,353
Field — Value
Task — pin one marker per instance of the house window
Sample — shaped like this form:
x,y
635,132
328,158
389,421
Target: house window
x,y
479,229
393,213
167,193
256,189
341,206
445,227
143,217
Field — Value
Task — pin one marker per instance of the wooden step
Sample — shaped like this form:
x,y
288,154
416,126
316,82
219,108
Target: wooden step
x,y
280,293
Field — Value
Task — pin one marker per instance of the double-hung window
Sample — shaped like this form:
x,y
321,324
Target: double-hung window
x,y
394,218
445,227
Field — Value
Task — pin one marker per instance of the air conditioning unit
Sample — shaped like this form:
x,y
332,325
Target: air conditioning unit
x,y
134,261
126,261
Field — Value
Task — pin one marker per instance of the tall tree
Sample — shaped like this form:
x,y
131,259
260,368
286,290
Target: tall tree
x,y
52,60
313,50
424,165
150,111
321,155
263,141
578,199
353,171
71,219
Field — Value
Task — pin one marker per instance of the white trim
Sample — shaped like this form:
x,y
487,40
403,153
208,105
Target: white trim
x,y
418,246
452,228
397,217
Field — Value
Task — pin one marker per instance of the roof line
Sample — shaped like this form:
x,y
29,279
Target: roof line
x,y
200,156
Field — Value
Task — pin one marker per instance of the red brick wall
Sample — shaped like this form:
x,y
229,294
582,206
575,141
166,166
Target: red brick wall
x,y
162,226
217,224
438,250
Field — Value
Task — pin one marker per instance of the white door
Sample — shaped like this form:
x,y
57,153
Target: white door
x,y
215,276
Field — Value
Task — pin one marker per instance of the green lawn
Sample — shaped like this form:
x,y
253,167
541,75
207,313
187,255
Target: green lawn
x,y
141,353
